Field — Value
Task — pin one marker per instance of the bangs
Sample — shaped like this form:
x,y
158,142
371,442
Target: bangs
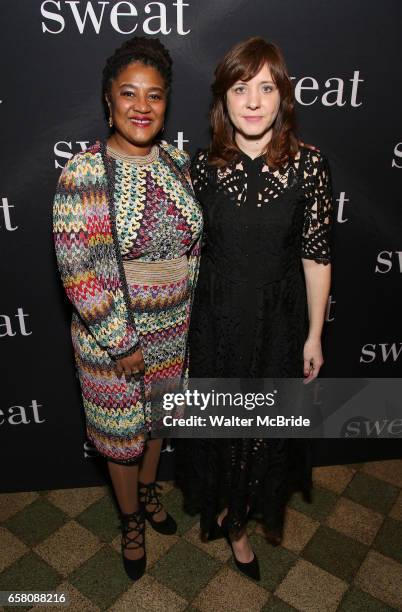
x,y
244,62
248,68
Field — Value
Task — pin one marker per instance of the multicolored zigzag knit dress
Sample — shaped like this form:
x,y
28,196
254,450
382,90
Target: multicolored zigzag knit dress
x,y
107,212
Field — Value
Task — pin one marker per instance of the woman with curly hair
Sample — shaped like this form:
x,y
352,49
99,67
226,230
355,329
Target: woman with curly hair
x,y
263,287
127,227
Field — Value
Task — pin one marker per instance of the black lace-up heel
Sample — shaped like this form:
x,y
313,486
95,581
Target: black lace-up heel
x,y
133,537
149,495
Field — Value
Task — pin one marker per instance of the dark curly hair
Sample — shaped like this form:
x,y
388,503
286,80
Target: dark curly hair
x,y
243,62
149,51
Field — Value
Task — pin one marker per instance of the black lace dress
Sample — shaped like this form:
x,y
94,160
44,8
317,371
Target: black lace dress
x,y
250,320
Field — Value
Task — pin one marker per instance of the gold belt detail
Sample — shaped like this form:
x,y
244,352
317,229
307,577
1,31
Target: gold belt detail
x,y
156,272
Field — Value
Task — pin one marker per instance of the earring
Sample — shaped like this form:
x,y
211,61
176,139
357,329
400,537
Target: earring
x,y
110,121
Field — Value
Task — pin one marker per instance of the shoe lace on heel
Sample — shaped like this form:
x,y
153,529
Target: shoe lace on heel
x,y
132,523
133,537
149,497
149,494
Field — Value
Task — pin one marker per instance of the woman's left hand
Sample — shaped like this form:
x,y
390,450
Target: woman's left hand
x,y
313,359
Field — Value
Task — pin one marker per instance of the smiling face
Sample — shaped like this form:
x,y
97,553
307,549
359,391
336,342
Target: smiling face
x,y
137,103
253,106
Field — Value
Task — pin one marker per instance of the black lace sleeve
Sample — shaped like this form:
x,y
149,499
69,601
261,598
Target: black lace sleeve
x,y
318,211
199,172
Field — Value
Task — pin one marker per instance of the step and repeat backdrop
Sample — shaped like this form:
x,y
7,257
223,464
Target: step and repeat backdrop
x,y
344,58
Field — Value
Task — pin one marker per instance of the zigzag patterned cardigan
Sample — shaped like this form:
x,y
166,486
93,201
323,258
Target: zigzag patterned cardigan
x,y
87,247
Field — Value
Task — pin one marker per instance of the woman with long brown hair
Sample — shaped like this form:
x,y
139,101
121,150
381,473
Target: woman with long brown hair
x,y
263,286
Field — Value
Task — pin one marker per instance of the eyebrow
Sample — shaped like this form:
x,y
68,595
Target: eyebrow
x,y
260,83
135,86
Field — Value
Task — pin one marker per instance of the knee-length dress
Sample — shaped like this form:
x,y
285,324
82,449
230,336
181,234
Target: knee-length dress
x,y
107,212
250,320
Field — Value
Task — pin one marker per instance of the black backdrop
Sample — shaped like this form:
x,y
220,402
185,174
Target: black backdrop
x,y
345,59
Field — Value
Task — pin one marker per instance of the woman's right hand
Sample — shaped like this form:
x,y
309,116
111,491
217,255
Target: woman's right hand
x,y
133,365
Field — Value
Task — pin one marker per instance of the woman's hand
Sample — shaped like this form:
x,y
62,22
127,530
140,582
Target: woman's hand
x,y
133,365
313,359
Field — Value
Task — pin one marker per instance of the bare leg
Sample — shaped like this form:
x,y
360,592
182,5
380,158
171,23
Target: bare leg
x,y
148,469
150,460
125,485
241,546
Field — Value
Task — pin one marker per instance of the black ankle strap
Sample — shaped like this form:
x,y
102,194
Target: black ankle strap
x,y
133,523
150,495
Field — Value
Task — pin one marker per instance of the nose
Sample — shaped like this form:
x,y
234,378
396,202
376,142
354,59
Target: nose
x,y
253,99
141,103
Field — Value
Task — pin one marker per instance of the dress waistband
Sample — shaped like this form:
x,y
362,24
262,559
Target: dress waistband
x,y
156,272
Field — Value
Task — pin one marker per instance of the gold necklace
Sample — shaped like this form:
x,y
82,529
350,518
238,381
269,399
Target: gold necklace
x,y
138,160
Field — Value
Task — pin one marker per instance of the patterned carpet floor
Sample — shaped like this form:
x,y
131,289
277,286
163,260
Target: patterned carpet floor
x,y
342,552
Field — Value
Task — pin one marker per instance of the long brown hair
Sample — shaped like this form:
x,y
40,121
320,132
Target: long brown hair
x,y
243,62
